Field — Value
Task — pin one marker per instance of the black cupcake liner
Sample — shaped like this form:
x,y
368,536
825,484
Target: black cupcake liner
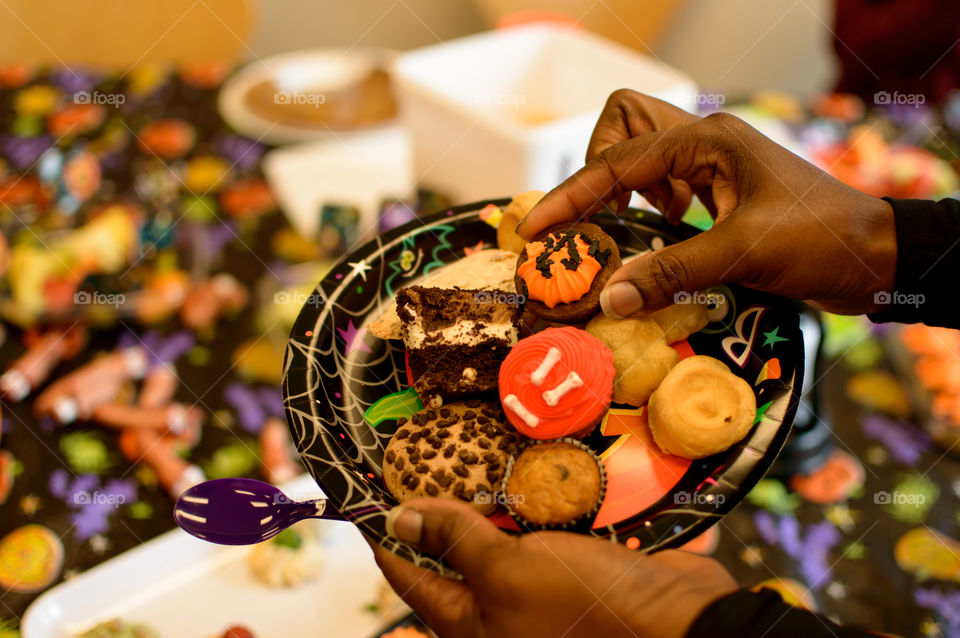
x,y
580,523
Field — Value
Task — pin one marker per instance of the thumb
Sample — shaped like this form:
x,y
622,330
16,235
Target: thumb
x,y
450,530
669,275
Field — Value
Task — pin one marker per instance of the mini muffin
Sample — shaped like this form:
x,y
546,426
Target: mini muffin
x,y
554,484
701,408
556,383
563,270
641,355
458,451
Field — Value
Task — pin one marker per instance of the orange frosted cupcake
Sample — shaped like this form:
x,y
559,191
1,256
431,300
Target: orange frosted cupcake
x,y
563,270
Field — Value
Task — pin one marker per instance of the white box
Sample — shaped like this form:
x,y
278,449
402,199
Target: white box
x,y
501,112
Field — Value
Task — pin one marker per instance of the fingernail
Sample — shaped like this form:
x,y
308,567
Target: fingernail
x,y
517,229
620,299
404,524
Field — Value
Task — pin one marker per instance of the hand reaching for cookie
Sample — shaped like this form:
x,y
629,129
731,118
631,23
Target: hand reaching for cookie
x,y
781,224
543,584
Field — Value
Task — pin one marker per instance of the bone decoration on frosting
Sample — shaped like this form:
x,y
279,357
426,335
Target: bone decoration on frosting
x,y
512,402
572,382
540,374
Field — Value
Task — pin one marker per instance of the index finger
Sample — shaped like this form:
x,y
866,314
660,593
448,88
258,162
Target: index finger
x,y
624,167
628,114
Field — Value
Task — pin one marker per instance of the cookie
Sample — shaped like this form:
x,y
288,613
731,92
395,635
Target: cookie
x,y
641,355
557,383
459,450
701,408
554,484
681,320
514,213
563,270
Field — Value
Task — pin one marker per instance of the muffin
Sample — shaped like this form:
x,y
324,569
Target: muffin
x,y
701,408
457,451
563,270
554,484
557,383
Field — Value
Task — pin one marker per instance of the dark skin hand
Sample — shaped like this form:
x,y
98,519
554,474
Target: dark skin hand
x,y
545,584
781,224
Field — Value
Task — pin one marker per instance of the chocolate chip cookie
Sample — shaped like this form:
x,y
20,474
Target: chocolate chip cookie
x,y
459,451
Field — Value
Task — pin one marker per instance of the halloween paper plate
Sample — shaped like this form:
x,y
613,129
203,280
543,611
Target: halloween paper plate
x,y
344,389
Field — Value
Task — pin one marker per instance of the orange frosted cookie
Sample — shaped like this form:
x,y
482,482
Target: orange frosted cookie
x,y
562,272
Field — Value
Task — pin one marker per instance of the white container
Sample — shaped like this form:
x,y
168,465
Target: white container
x,y
505,111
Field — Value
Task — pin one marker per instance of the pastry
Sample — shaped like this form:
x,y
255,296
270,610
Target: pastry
x,y
562,272
641,355
513,214
458,451
292,557
553,483
680,320
701,408
456,339
485,270
557,383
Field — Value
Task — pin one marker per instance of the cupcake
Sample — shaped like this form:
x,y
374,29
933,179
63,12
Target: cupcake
x,y
563,270
557,383
553,484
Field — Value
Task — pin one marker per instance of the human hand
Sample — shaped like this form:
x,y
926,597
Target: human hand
x,y
781,224
543,584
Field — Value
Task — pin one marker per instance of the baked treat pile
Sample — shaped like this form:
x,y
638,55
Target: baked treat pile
x,y
505,418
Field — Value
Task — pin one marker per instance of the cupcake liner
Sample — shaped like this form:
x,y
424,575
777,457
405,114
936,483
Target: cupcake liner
x,y
580,523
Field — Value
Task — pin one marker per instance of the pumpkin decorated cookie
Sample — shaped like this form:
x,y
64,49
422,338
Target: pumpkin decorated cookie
x,y
563,270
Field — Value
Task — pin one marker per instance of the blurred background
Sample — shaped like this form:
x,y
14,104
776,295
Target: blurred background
x,y
176,177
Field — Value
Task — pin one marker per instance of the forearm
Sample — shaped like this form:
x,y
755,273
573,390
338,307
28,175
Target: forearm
x,y
928,264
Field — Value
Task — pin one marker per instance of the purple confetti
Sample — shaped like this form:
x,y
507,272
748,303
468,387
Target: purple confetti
x,y
767,527
58,484
175,346
905,442
814,559
946,606
243,152
790,536
91,520
271,398
24,152
73,79
244,401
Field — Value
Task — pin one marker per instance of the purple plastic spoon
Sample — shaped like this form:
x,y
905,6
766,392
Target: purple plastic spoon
x,y
241,511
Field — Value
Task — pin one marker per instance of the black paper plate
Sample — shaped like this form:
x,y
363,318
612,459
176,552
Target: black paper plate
x,y
334,372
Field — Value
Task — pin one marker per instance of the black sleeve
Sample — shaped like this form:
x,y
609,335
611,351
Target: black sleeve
x,y
746,614
928,262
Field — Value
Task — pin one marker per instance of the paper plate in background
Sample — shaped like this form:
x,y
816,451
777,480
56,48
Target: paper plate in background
x,y
334,373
